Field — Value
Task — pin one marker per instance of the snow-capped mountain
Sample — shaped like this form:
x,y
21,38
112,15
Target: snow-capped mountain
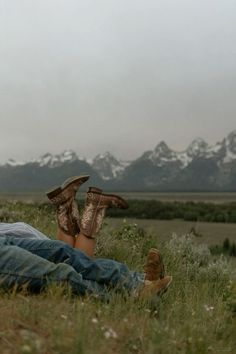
x,y
230,148
108,167
56,160
48,159
199,167
223,152
198,147
12,162
161,155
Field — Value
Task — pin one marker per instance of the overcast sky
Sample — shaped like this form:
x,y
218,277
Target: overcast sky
x,y
117,75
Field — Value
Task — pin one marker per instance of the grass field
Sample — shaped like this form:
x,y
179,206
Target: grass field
x,y
197,315
209,233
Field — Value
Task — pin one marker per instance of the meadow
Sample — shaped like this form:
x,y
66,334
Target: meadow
x,y
196,315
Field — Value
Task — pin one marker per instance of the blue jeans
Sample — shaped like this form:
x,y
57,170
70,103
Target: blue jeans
x,y
20,229
35,263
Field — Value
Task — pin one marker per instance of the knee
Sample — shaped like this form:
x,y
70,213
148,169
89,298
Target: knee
x,y
22,224
21,228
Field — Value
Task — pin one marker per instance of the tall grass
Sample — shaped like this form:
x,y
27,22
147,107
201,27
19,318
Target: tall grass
x,y
196,315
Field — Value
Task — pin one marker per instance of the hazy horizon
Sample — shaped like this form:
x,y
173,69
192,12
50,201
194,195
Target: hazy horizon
x,y
89,158
119,77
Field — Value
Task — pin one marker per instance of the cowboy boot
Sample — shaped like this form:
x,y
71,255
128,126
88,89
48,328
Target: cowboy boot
x,y
63,198
95,208
154,267
155,287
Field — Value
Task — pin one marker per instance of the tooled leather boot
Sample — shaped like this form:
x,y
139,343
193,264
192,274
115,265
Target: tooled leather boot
x,y
154,268
95,208
63,198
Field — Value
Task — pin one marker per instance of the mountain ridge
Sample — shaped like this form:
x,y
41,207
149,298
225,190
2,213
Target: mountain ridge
x,y
200,167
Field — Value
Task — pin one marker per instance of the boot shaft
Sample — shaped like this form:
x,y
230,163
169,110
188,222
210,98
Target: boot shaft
x,y
63,198
95,208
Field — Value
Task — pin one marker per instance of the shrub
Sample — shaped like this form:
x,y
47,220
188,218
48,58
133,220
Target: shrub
x,y
196,261
227,248
191,216
226,244
219,218
232,216
8,216
128,244
189,211
232,251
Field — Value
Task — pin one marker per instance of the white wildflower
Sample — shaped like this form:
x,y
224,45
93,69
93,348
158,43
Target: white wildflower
x,y
26,349
109,333
208,308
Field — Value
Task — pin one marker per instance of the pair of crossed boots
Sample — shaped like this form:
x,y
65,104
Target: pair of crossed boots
x,y
89,223
68,217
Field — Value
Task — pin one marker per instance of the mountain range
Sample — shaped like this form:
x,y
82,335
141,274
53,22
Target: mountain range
x,y
200,167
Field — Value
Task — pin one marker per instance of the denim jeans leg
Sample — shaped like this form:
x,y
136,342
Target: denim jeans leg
x,y
103,271
21,230
19,267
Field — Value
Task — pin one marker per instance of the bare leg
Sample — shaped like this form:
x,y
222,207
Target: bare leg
x,y
85,244
81,242
61,236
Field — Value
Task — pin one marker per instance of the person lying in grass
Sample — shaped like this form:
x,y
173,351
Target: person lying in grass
x,y
30,260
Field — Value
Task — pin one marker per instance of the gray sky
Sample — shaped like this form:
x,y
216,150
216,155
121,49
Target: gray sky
x,y
97,75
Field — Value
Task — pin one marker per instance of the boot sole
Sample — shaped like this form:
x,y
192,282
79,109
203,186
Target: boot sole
x,y
55,191
95,190
123,203
71,180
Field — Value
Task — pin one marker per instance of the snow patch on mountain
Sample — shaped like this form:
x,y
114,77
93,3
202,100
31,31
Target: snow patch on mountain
x,y
117,170
223,152
184,158
197,148
214,150
229,157
13,163
230,148
107,166
161,155
56,160
231,141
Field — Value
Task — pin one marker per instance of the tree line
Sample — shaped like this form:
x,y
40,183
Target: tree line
x,y
189,211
